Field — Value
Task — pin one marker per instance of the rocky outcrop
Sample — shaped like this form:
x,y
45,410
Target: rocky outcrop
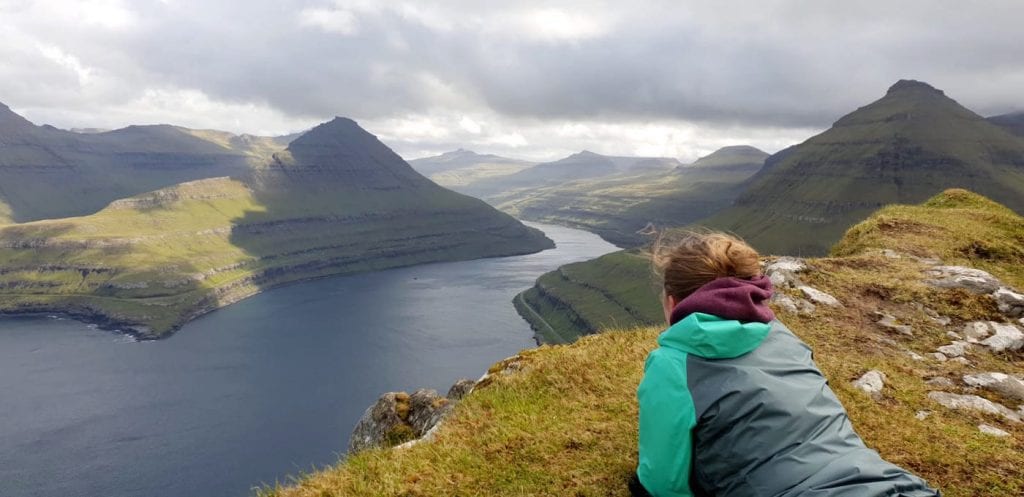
x,y
974,280
398,417
997,382
871,383
974,403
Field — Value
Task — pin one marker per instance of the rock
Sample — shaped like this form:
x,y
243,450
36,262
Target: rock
x,y
973,403
383,423
997,382
426,408
1009,302
954,335
973,280
1006,337
977,331
915,356
871,383
398,417
460,389
941,320
888,321
955,349
922,415
992,430
792,305
940,382
791,264
782,272
938,356
961,360
819,297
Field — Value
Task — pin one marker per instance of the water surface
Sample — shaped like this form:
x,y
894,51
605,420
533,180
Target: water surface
x,y
265,388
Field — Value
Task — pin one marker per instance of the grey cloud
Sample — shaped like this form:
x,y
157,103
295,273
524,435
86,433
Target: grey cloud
x,y
777,63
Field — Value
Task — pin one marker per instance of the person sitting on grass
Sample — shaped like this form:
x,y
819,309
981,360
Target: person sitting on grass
x,y
731,402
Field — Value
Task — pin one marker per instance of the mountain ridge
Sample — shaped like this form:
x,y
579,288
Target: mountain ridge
x,y
902,148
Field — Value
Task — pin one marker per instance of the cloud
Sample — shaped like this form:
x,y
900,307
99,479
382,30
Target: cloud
x,y
646,75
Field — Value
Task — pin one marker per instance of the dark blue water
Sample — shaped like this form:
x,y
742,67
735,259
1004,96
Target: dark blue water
x,y
254,392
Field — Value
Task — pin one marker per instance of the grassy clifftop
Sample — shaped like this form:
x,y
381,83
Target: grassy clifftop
x,y
561,420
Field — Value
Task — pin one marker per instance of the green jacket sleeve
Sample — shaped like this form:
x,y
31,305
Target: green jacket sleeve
x,y
667,416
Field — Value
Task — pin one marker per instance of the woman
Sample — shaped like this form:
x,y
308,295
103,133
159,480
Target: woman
x,y
731,403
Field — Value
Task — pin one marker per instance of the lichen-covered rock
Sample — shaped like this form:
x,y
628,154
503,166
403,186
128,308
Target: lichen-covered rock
x,y
938,356
973,280
973,403
992,430
819,297
383,423
460,389
792,305
955,349
1009,302
997,382
871,383
977,331
397,418
790,264
1006,337
426,409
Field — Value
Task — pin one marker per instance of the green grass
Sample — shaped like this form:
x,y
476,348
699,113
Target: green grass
x,y
155,261
564,422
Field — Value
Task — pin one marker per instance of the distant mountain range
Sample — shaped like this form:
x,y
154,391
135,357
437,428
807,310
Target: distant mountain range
x,y
460,168
48,173
903,148
333,200
620,205
581,165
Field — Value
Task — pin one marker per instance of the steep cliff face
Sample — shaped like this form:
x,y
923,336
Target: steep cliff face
x,y
619,207
909,145
335,201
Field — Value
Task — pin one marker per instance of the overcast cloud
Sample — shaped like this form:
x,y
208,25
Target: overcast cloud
x,y
526,78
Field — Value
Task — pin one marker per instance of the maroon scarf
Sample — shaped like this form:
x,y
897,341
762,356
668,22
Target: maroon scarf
x,y
729,298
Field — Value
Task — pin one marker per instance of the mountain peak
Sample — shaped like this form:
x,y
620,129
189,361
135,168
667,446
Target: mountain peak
x,y
10,119
912,85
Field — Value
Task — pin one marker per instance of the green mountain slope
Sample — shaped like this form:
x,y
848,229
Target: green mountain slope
x,y
561,420
336,201
460,168
582,165
619,207
1012,122
909,145
48,173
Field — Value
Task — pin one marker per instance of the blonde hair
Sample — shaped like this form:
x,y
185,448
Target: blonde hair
x,y
687,260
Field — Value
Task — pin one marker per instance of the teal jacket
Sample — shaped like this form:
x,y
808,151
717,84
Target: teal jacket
x,y
740,409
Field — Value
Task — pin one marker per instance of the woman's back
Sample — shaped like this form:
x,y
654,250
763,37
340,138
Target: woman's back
x,y
768,424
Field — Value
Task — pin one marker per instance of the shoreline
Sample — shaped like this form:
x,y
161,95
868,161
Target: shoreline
x,y
142,332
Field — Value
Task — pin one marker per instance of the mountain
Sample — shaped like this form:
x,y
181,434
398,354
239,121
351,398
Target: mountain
x,y
335,201
562,419
48,173
581,165
903,148
619,207
1012,122
460,168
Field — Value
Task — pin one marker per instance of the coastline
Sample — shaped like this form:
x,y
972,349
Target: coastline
x,y
227,294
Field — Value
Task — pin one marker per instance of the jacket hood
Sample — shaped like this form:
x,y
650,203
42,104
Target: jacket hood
x,y
712,337
730,298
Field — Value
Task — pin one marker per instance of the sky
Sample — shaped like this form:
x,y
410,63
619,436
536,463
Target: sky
x,y
528,79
